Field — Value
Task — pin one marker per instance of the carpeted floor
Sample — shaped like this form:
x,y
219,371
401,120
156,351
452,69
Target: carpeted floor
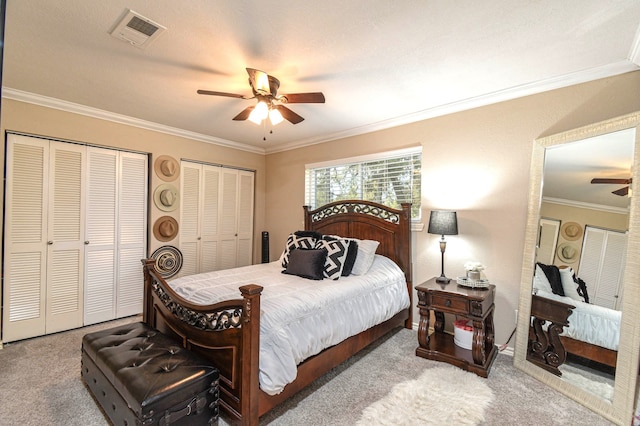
x,y
41,385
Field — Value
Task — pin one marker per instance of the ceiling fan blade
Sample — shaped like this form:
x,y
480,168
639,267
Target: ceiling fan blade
x,y
229,95
289,115
615,181
244,114
303,98
622,191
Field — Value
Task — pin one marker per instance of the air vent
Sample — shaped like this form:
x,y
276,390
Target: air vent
x,y
137,30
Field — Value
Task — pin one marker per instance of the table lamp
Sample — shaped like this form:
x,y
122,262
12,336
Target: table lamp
x,y
443,223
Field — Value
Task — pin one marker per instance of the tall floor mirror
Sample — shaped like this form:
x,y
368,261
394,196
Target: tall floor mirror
x,y
596,245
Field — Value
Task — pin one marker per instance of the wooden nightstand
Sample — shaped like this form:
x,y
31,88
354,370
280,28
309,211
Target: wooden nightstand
x,y
473,304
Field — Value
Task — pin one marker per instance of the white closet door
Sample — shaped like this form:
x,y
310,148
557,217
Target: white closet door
x,y
228,212
245,218
65,257
100,252
190,215
25,248
210,218
602,265
132,226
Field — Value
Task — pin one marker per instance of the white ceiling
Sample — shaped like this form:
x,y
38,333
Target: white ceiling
x,y
378,63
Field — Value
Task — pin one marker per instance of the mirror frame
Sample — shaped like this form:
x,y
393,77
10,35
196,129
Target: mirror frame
x,y
621,409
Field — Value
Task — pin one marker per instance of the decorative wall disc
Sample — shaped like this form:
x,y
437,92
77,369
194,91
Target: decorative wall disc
x,y
168,261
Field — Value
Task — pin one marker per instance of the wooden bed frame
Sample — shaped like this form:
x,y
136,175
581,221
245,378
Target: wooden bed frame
x,y
228,333
548,349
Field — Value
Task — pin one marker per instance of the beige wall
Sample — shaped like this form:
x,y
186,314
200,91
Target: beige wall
x,y
475,162
36,120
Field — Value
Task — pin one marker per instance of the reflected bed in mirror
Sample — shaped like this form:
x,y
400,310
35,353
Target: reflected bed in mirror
x,y
592,243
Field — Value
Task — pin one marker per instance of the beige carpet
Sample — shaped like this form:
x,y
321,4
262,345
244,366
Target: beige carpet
x,y
40,384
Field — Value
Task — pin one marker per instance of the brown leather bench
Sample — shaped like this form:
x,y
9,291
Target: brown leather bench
x,y
141,377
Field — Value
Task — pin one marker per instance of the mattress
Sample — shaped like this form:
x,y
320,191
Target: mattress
x,y
301,317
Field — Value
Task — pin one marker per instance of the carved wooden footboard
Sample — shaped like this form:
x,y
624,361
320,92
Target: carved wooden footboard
x,y
228,333
225,333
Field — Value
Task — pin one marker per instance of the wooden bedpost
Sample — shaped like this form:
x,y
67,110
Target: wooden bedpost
x,y
250,354
147,306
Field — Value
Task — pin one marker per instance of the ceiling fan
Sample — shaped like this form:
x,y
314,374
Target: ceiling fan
x,y
622,191
270,104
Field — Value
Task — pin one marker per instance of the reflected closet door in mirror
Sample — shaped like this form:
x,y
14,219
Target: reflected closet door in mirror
x,y
621,407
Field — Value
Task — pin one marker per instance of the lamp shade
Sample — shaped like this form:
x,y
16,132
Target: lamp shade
x,y
443,223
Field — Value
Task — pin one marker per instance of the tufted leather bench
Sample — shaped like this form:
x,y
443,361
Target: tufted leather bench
x,y
141,377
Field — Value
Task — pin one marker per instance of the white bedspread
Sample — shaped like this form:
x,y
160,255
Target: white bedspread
x,y
590,323
300,317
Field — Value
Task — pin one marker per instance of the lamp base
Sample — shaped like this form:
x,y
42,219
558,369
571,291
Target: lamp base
x,y
443,279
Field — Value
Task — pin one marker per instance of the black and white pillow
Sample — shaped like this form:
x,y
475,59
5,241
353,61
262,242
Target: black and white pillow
x,y
336,256
352,252
298,240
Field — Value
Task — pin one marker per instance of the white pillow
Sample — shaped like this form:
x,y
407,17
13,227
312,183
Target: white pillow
x,y
540,281
569,286
366,254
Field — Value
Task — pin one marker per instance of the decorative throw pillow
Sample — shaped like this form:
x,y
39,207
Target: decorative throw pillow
x,y
366,254
307,263
336,255
297,241
352,253
569,286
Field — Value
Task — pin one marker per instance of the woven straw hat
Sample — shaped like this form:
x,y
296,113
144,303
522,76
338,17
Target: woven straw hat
x,y
167,168
165,228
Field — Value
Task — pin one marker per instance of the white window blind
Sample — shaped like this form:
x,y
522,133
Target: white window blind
x,y
389,178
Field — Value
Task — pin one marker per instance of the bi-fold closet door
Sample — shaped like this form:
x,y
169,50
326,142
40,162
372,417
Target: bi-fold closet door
x,y
73,236
216,217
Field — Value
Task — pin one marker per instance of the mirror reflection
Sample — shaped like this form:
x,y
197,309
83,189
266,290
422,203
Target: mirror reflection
x,y
580,259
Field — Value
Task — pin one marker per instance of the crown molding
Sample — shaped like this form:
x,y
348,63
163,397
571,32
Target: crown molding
x,y
511,93
610,70
582,205
45,101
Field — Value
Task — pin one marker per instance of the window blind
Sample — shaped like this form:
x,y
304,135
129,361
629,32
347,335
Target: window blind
x,y
389,178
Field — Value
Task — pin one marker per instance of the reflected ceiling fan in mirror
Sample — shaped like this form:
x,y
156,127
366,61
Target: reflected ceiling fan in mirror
x,y
623,192
270,104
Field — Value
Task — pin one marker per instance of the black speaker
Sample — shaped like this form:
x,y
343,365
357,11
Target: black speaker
x,y
265,247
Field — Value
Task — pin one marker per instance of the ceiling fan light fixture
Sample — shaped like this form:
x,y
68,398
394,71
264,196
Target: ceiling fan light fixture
x,y
275,116
259,113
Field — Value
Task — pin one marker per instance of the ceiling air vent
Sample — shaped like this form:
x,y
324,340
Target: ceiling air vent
x,y
137,30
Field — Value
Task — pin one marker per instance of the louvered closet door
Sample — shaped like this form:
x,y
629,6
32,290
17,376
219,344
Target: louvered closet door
x,y
602,265
228,213
190,214
99,296
210,228
25,248
132,232
245,218
65,242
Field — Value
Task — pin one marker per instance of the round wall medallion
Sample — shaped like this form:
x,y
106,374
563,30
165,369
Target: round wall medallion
x,y
168,261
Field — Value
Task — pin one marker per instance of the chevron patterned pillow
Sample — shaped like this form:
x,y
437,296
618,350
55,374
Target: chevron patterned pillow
x,y
336,256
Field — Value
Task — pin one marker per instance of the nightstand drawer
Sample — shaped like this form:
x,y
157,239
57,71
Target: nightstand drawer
x,y
450,303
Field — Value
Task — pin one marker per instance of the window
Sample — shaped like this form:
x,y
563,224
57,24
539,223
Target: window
x,y
388,178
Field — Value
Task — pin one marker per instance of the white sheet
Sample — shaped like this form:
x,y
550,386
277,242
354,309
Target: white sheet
x,y
301,317
590,323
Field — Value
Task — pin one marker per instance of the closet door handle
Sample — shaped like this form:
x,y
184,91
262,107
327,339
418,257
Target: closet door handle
x,y
86,243
50,242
